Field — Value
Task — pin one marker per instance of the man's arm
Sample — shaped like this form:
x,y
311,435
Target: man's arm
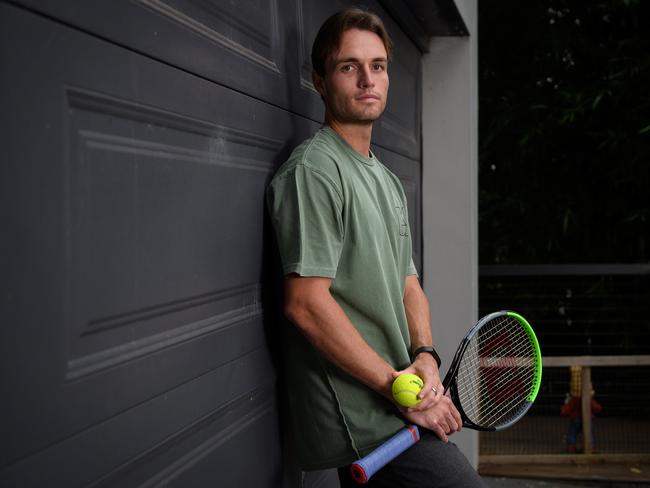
x,y
311,307
424,365
436,411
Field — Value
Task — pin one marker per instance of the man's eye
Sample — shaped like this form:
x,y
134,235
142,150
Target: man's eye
x,y
346,68
379,67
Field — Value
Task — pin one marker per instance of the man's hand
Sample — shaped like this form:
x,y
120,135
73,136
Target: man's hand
x,y
432,392
442,419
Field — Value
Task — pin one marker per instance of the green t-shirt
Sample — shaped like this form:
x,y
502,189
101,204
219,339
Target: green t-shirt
x,y
343,216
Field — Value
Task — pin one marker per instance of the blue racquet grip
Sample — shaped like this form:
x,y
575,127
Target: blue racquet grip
x,y
365,467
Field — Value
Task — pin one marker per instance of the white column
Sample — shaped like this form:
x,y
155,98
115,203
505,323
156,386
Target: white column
x,y
450,191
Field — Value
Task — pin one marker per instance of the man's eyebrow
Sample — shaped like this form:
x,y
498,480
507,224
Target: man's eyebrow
x,y
346,60
356,60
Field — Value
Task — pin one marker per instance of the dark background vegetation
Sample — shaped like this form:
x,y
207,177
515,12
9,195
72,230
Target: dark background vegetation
x,y
564,131
564,178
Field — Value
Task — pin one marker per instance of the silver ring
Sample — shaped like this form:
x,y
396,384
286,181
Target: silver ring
x,y
433,389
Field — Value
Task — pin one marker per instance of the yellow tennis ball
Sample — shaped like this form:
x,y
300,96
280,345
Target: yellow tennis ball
x,y
406,388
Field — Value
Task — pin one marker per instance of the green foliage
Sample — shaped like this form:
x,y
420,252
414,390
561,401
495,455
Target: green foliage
x,y
564,156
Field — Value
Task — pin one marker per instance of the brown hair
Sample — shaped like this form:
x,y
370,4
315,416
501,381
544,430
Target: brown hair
x,y
329,35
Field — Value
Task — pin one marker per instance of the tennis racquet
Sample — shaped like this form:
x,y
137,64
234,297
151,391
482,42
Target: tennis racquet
x,y
493,380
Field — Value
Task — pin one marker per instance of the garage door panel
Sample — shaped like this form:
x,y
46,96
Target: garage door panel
x,y
238,44
75,407
249,28
246,29
167,435
258,463
157,209
142,203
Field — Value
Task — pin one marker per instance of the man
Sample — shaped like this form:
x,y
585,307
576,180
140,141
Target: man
x,y
351,289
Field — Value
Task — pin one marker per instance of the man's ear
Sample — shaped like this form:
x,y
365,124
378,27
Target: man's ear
x,y
319,83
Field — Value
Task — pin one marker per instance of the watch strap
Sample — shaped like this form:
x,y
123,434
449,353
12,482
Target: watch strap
x,y
429,350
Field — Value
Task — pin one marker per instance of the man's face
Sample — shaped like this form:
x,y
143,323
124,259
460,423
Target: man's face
x,y
355,86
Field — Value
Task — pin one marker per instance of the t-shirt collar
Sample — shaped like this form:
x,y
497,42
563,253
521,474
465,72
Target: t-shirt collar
x,y
370,161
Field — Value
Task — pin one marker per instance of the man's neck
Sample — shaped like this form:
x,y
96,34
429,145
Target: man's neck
x,y
356,135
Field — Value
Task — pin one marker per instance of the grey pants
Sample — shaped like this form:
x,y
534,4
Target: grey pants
x,y
430,463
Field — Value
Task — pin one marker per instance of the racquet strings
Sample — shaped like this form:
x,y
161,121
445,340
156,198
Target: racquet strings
x,y
496,373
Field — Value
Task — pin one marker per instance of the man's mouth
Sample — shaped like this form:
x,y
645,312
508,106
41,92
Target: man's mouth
x,y
367,96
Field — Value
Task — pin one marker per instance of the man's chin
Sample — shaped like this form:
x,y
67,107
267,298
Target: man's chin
x,y
358,116
364,118
360,122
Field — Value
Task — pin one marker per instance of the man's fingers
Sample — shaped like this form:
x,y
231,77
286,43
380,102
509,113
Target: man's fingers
x,y
425,394
454,418
456,414
432,387
424,404
428,398
454,426
428,390
410,369
459,421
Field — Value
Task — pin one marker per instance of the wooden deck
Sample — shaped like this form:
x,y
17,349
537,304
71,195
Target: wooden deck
x,y
628,472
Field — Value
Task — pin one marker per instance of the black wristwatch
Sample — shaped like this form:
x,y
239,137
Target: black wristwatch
x,y
430,350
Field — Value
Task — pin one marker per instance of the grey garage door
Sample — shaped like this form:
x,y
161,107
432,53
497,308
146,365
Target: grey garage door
x,y
136,141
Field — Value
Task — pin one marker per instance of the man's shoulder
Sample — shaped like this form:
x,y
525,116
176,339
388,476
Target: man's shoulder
x,y
316,154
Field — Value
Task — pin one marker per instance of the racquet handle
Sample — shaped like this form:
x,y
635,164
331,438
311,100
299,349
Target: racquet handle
x,y
365,467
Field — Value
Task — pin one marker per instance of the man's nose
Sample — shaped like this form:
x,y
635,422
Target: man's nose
x,y
366,77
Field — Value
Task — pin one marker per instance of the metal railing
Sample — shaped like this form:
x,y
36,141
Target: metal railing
x,y
527,443
586,363
592,316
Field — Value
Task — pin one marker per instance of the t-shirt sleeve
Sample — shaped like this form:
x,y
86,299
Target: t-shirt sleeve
x,y
411,270
306,210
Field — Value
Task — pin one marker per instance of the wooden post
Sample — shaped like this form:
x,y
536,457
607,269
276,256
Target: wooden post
x,y
586,409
